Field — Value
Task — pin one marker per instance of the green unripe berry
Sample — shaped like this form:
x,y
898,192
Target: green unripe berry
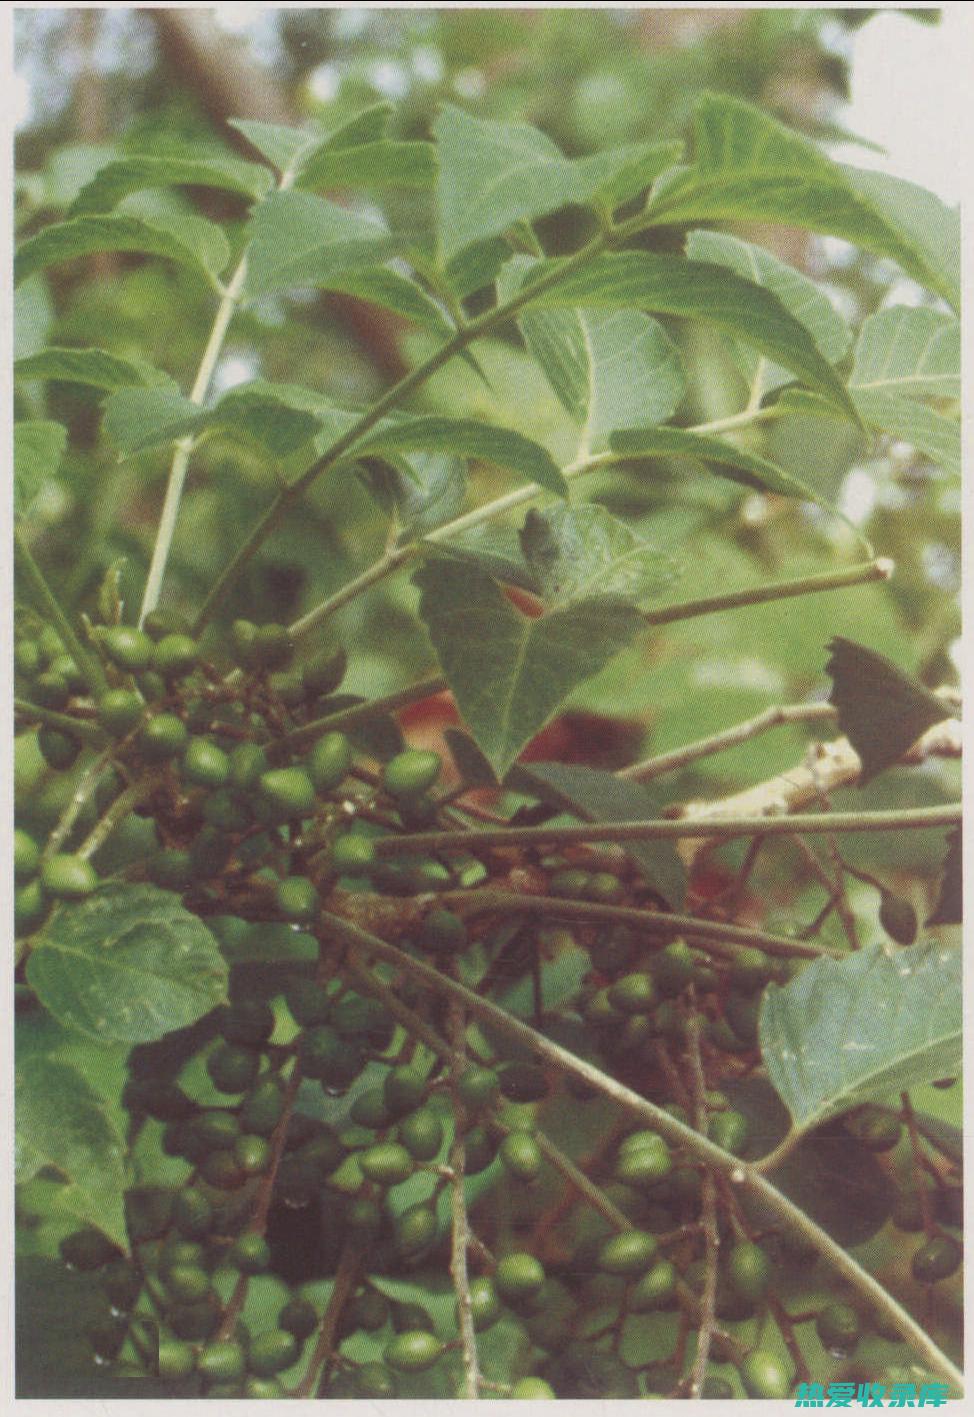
x,y
180,1253
221,1362
375,1380
322,1051
838,1326
51,691
232,1068
248,762
68,877
297,899
673,967
30,906
287,793
523,1082
257,1388
729,1130
413,1352
176,1359
532,1390
442,932
478,1087
308,1004
717,1388
187,1283
222,1170
152,685
415,1230
324,673
27,658
633,994
216,1130
87,1250
224,810
485,1306
643,1163
163,737
387,1164
271,647
329,761
749,1271
250,1254
26,856
262,1108
159,623
411,773
248,1021
272,1351
192,1213
409,1318
765,1375
421,1134
49,644
243,633
299,1317
521,1156
352,853
252,1153
365,1019
603,886
518,1277
364,1217
126,647
170,869
629,1252
59,750
204,764
938,1259
174,656
750,970
655,1289
403,1091
569,884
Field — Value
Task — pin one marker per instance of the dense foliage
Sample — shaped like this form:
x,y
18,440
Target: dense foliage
x,y
446,966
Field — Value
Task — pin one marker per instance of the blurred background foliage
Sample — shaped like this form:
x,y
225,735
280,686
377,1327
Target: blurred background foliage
x,y
115,80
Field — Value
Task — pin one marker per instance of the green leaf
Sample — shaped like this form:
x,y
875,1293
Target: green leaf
x,y
595,796
510,674
949,909
299,239
134,174
882,710
33,316
39,445
610,369
464,437
281,145
854,1030
96,368
427,492
86,235
379,164
672,285
750,167
577,552
127,964
61,1123
909,421
477,266
808,303
381,286
141,418
910,351
495,550
493,175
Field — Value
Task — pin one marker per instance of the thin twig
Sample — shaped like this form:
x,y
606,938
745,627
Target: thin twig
x,y
88,732
775,717
708,1214
88,663
346,1278
115,815
460,1227
79,798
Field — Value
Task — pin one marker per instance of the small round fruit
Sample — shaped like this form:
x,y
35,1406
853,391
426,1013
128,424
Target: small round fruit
x,y
119,710
30,906
630,1252
518,1277
250,1254
187,1283
655,1289
174,656
478,1087
375,1380
838,1326
271,647
485,1306
569,884
299,1317
532,1390
26,856
765,1375
297,899
249,1021
68,877
87,1249
127,647
262,1108
633,994
27,658
421,1134
938,1259
410,1318
413,1352
252,1154
159,623
221,1362
222,1170
329,761
749,1271
215,1129
192,1213
643,1162
59,750
521,1156
232,1068
205,764
308,1003
248,762
272,1351
673,967
352,853
288,793
176,1359
170,869
403,1090
387,1163
442,932
729,1130
163,737
50,690
750,970
324,673
415,1230
411,773
257,1388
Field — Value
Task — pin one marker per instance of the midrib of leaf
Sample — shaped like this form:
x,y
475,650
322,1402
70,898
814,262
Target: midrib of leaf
x,y
585,440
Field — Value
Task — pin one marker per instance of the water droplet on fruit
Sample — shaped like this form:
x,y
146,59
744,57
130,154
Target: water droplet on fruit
x,y
101,1361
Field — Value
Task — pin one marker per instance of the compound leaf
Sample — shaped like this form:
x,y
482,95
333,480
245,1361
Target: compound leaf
x,y
127,964
39,445
133,174
882,710
202,246
580,551
299,239
854,1030
96,368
